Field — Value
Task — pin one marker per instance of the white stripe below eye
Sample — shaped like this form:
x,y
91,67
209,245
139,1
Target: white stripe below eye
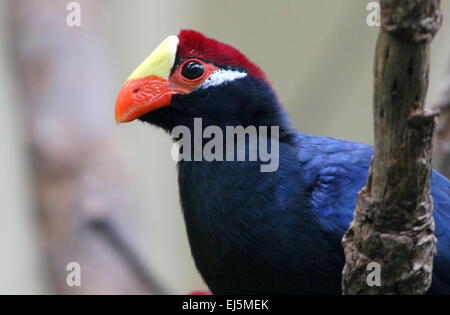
x,y
222,76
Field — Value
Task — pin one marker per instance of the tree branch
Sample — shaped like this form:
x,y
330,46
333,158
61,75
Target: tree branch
x,y
78,176
393,223
126,251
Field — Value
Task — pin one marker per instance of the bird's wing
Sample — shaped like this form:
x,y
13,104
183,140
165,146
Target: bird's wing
x,y
340,169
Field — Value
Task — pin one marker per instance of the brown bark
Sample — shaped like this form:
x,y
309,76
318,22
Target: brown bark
x,y
78,179
393,224
441,155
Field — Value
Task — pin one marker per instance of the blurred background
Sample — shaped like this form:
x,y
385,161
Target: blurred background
x,y
74,187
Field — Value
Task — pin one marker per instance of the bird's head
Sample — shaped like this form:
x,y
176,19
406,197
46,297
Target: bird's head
x,y
192,76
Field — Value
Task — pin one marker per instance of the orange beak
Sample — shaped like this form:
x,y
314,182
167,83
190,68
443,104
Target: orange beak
x,y
147,88
141,96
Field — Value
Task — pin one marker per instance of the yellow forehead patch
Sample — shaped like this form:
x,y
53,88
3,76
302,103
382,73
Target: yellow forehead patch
x,y
160,61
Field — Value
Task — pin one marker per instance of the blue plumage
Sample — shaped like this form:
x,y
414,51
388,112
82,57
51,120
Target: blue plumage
x,y
252,232
278,233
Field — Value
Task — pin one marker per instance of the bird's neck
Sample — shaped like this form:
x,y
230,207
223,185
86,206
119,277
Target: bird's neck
x,y
222,201
214,191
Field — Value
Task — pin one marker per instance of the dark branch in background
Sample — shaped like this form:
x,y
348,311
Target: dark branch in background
x,y
441,156
393,223
78,176
110,233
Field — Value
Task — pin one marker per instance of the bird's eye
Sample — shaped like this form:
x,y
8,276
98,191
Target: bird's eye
x,y
192,70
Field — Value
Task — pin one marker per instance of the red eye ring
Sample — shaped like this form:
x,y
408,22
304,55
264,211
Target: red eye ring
x,y
184,85
193,70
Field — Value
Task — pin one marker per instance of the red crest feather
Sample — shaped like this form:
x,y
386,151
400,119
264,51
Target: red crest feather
x,y
197,45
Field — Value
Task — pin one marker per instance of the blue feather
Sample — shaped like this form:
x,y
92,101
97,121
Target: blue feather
x,y
278,233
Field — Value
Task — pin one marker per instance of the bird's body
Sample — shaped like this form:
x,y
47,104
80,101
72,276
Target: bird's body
x,y
254,232
280,233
